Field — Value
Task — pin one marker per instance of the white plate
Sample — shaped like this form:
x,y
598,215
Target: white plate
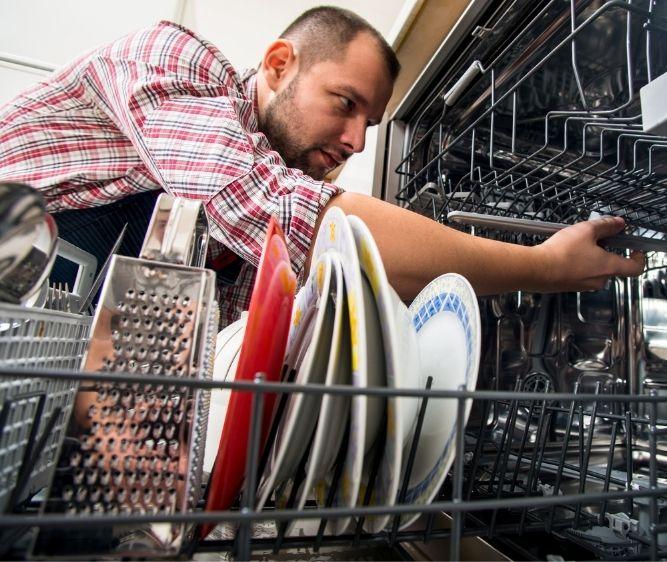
x,y
335,234
401,357
446,317
228,345
301,411
335,410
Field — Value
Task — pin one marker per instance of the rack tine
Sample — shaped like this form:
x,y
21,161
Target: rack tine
x,y
380,444
275,424
563,456
589,446
610,464
428,531
478,447
410,463
457,494
542,436
628,457
244,535
333,488
501,445
296,484
653,473
505,451
522,446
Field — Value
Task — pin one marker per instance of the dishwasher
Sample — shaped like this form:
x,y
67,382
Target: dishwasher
x,y
530,110
537,111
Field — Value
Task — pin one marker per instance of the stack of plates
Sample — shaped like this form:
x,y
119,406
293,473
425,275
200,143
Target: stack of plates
x,y
349,327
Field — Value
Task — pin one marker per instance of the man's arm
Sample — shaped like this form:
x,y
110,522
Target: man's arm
x,y
416,249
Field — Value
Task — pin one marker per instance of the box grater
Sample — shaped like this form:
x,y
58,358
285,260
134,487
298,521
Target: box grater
x,y
136,449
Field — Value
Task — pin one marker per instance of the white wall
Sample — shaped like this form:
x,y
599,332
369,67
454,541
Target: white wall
x,y
55,31
242,29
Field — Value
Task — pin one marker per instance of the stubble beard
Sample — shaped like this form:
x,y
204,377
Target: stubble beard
x,y
281,118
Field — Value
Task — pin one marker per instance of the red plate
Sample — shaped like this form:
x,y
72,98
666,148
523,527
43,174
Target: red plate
x,y
263,350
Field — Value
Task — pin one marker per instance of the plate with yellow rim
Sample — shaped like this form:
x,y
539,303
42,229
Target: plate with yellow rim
x,y
401,359
310,335
335,410
336,235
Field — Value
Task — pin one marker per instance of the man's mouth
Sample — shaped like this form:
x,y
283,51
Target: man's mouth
x,y
330,160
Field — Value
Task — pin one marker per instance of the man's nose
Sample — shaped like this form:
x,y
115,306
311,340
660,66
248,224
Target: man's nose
x,y
354,135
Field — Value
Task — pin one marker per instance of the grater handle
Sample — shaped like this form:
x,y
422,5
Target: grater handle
x,y
178,232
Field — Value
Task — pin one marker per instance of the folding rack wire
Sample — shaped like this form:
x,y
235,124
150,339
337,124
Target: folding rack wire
x,y
548,125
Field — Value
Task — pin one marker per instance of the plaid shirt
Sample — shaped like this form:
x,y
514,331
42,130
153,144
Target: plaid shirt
x,y
162,108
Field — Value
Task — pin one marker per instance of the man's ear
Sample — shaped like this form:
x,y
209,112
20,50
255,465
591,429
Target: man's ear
x,y
280,63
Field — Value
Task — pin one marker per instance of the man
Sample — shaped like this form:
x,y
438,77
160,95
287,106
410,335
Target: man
x,y
163,109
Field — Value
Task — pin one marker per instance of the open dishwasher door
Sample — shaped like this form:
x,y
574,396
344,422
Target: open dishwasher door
x,y
532,110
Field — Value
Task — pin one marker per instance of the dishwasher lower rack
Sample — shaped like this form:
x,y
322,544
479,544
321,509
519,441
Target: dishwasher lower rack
x,y
557,466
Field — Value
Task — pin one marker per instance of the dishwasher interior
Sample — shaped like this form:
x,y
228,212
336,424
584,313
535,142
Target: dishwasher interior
x,y
536,114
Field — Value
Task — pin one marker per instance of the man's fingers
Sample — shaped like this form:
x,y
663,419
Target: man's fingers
x,y
606,227
639,258
629,267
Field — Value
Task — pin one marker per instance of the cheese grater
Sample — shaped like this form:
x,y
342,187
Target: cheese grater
x,y
134,448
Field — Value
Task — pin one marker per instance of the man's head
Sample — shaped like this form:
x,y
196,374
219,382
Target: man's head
x,y
320,85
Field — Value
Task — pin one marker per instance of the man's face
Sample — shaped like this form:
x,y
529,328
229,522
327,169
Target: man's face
x,y
319,119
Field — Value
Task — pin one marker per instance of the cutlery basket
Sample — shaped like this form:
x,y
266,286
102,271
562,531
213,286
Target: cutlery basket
x,y
34,411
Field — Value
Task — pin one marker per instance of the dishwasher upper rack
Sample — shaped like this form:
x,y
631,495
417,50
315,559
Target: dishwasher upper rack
x,y
548,126
504,484
34,412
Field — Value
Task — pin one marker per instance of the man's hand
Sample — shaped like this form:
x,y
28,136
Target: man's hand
x,y
574,261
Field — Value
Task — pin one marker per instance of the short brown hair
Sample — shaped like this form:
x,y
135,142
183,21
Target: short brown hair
x,y
327,30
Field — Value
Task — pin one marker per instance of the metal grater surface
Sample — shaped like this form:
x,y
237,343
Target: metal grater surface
x,y
131,448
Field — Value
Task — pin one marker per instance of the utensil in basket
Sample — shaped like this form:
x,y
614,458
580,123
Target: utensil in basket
x,y
137,448
28,243
90,295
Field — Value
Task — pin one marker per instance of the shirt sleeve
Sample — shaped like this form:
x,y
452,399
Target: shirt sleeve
x,y
199,140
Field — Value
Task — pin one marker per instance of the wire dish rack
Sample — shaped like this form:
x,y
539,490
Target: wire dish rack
x,y
543,120
523,476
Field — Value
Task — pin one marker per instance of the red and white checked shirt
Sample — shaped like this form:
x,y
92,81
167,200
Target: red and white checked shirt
x,y
162,108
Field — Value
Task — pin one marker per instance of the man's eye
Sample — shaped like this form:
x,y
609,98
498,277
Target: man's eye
x,y
347,103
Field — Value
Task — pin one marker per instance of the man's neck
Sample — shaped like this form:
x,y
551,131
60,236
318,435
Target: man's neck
x,y
264,93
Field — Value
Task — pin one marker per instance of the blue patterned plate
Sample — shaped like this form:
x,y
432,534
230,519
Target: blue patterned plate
x,y
446,317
